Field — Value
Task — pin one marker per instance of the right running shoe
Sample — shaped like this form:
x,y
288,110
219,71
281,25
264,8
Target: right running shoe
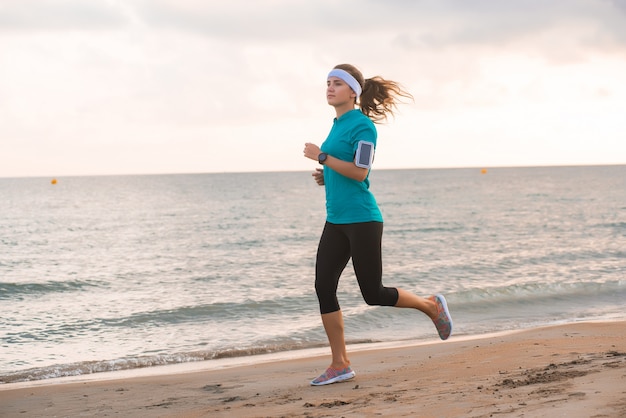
x,y
443,320
333,376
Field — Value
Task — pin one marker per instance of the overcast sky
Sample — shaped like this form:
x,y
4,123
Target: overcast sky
x,y
180,86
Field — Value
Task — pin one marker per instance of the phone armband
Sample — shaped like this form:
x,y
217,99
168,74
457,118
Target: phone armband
x,y
364,154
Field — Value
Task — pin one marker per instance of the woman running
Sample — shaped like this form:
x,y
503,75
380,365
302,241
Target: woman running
x,y
354,223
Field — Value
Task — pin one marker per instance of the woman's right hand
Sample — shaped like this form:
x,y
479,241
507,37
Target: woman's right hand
x,y
311,151
318,176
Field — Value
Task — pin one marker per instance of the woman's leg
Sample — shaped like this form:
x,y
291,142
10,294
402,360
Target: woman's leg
x,y
333,254
409,300
366,244
333,325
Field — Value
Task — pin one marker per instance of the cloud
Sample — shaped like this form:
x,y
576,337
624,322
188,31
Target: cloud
x,y
101,76
436,23
61,15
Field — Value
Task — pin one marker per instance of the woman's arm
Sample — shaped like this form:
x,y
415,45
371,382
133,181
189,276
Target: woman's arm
x,y
345,168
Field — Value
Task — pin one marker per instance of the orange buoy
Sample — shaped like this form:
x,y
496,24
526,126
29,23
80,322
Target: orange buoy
x,y
483,171
53,181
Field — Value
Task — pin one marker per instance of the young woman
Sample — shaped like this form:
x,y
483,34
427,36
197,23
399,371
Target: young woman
x,y
354,224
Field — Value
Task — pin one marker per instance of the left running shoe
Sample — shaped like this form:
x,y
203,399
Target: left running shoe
x,y
333,376
443,321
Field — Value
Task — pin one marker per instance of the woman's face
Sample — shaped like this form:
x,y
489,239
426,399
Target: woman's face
x,y
338,92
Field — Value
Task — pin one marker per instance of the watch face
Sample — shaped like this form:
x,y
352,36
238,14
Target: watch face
x,y
322,158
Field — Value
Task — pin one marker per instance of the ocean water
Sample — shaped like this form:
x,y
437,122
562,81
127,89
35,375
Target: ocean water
x,y
118,272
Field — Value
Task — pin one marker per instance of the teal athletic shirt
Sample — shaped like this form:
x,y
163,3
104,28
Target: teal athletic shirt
x,y
349,201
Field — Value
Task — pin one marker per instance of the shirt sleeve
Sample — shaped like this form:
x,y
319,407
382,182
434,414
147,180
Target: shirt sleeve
x,y
363,133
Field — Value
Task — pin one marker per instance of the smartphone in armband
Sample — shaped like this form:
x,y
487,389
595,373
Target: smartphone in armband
x,y
364,154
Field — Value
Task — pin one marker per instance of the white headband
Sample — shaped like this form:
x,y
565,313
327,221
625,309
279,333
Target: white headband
x,y
347,77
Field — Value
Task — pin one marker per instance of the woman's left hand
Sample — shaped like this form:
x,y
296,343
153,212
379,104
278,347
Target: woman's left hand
x,y
311,151
318,176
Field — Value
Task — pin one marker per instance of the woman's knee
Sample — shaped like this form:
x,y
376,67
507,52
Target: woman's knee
x,y
385,296
373,299
326,296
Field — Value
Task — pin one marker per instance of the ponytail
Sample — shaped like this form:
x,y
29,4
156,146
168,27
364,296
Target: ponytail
x,y
379,97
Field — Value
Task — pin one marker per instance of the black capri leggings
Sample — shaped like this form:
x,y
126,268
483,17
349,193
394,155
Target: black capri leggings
x,y
362,242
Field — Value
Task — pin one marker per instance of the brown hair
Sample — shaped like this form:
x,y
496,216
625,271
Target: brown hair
x,y
379,97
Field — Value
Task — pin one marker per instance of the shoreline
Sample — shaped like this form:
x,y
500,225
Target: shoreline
x,y
256,359
573,368
238,361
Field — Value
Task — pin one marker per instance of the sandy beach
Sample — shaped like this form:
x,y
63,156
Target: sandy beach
x,y
572,370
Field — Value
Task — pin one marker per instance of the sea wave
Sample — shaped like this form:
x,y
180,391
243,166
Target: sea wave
x,y
520,293
129,363
16,291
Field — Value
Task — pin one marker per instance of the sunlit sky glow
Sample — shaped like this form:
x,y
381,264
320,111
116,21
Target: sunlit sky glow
x,y
181,86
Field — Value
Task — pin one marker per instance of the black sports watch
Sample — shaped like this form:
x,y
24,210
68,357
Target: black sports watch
x,y
322,158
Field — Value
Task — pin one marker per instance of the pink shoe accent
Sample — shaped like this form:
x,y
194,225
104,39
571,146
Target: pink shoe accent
x,y
443,320
333,376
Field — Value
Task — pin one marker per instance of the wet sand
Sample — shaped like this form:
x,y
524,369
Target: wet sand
x,y
572,370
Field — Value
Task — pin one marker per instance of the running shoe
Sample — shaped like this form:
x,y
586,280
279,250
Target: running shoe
x,y
333,376
443,320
